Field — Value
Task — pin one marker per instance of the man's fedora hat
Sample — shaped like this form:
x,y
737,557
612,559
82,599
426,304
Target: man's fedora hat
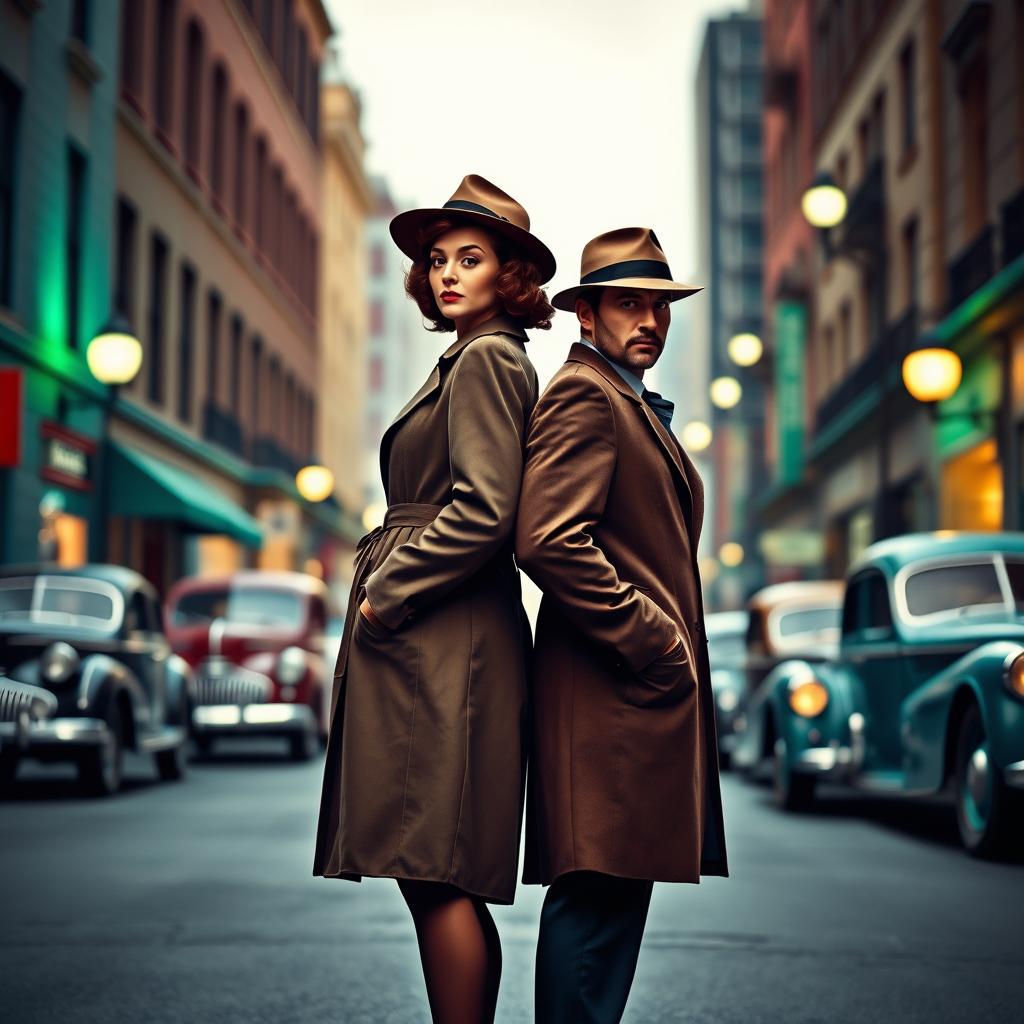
x,y
624,258
477,200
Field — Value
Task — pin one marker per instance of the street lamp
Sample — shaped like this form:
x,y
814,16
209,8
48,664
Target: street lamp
x,y
730,554
745,349
114,357
932,372
725,392
696,435
824,202
314,482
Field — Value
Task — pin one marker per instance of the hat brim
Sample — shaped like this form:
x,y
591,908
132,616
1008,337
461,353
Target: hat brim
x,y
405,230
566,299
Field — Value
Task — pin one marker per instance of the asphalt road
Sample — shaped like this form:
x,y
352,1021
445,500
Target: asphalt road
x,y
194,902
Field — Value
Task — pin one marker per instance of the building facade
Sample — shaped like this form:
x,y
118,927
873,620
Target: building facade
x,y
729,179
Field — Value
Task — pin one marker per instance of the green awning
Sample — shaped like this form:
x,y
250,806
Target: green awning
x,y
145,487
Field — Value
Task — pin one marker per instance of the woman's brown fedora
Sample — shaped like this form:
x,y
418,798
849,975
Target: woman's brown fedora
x,y
624,258
478,200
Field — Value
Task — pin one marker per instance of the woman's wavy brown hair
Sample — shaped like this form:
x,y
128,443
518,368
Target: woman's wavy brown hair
x,y
518,282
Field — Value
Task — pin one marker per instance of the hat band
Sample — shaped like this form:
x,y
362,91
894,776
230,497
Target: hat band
x,y
463,204
628,268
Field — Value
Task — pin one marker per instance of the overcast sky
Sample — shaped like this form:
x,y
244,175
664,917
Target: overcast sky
x,y
584,113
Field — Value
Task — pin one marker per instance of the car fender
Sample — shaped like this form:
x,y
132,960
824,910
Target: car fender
x,y
103,679
181,690
930,715
831,725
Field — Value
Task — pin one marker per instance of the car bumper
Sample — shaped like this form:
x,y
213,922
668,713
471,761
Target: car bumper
x,y
1014,774
832,762
252,719
27,737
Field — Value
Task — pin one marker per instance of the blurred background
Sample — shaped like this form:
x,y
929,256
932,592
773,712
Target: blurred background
x,y
204,335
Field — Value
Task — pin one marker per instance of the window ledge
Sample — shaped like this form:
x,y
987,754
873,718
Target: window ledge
x,y
82,62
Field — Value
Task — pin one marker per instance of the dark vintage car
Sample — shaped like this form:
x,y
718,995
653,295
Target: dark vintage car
x,y
798,619
927,688
727,635
256,641
86,672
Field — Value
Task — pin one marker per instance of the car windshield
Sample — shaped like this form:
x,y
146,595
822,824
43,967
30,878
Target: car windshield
x,y
250,606
969,588
60,601
809,620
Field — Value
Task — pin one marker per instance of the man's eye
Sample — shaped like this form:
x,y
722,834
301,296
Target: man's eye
x,y
627,303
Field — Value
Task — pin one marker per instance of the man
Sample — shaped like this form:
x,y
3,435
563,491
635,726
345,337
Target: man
x,y
623,785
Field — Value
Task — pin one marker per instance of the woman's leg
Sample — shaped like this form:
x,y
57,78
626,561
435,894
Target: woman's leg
x,y
459,951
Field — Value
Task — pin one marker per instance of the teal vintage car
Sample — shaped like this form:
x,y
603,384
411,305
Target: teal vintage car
x,y
927,693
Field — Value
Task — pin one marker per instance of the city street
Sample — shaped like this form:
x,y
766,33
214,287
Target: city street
x,y
194,902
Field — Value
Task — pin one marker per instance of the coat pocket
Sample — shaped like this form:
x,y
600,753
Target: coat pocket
x,y
668,680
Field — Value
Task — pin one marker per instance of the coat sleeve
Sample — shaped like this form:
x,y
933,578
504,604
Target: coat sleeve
x,y
490,399
570,461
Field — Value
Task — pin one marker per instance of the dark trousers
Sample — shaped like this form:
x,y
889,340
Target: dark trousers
x,y
590,933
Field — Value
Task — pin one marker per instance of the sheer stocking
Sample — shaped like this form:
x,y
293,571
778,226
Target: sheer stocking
x,y
459,949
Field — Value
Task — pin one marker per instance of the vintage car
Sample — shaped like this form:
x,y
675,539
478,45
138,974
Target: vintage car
x,y
727,633
928,685
86,672
256,641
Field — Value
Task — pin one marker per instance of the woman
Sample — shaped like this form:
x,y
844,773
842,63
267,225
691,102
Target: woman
x,y
426,759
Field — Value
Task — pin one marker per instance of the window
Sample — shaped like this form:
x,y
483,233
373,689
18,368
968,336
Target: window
x,y
10,106
954,590
255,384
163,68
186,342
217,128
73,241
235,369
276,200
845,353
259,217
911,267
302,77
127,227
80,18
974,146
867,610
274,397
157,301
213,318
907,97
241,142
193,94
132,18
315,91
287,44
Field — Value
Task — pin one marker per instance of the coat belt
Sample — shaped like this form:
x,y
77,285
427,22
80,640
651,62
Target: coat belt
x,y
406,513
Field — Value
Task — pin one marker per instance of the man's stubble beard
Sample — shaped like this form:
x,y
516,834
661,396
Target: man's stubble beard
x,y
630,360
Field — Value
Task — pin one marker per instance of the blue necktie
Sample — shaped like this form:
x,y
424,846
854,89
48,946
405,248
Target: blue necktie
x,y
662,407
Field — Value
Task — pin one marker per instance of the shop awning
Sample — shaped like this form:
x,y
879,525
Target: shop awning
x,y
145,487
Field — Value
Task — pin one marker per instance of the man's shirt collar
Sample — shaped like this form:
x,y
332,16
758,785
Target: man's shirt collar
x,y
630,378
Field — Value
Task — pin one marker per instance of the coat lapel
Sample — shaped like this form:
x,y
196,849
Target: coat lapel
x,y
496,325
671,448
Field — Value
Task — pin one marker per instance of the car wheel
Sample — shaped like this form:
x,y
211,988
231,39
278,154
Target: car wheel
x,y
987,811
8,771
793,791
100,767
302,745
170,764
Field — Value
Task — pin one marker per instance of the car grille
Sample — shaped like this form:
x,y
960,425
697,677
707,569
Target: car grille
x,y
18,697
235,686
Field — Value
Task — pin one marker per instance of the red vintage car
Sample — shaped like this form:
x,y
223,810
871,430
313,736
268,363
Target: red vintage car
x,y
257,642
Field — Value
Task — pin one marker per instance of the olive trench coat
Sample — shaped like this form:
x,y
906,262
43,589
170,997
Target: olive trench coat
x,y
624,767
425,769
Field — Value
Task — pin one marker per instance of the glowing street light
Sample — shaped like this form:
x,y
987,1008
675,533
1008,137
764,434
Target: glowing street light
x,y
730,554
823,203
745,349
114,356
932,373
373,515
315,483
725,392
696,435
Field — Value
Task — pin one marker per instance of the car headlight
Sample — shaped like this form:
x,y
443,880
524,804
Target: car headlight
x,y
291,665
59,662
1013,674
727,700
808,698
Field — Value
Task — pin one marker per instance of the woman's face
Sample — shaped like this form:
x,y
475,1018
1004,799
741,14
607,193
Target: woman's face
x,y
463,269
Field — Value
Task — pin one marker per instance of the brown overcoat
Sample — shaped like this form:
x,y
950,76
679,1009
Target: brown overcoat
x,y
624,767
424,777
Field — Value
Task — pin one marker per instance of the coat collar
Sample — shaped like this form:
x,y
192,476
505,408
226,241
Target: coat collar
x,y
688,478
501,324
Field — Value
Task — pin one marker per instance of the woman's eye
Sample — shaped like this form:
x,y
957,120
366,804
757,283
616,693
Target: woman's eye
x,y
470,261
437,261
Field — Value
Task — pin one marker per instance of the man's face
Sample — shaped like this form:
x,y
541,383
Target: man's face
x,y
629,326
